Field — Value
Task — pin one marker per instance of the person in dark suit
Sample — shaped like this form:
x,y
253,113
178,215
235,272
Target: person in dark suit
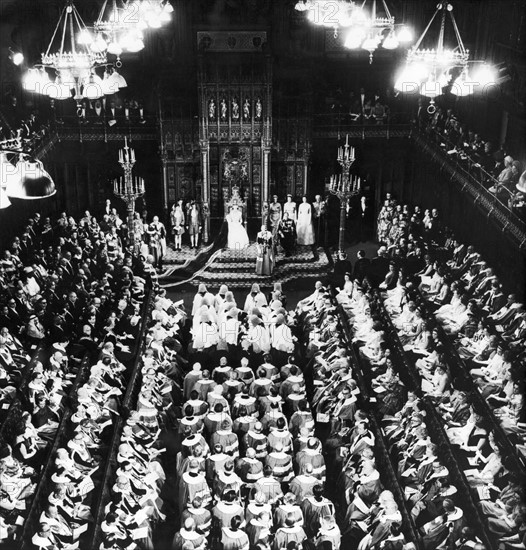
x,y
6,321
493,299
361,267
379,266
365,219
390,279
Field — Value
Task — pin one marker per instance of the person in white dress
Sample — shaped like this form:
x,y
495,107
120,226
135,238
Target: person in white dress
x,y
304,229
237,234
290,208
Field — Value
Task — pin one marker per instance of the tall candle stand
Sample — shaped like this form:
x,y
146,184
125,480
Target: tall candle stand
x,y
128,187
344,186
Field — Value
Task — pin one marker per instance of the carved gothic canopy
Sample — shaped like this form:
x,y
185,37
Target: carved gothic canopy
x,y
235,168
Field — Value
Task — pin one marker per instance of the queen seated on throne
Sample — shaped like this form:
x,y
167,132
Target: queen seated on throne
x,y
235,210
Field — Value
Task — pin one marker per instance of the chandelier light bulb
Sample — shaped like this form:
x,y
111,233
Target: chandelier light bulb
x,y
142,25
354,38
418,72
411,77
484,75
99,44
30,80
370,43
16,57
135,45
444,79
4,199
93,87
30,181
154,21
359,17
165,16
132,41
118,80
109,84
301,6
92,91
85,37
390,42
114,48
405,34
168,8
57,90
464,85
345,19
431,88
35,80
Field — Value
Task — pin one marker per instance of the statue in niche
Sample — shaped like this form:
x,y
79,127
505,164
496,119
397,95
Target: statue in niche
x,y
211,109
235,109
246,109
259,108
223,109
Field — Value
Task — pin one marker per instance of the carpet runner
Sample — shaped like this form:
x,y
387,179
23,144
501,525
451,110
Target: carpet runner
x,y
215,264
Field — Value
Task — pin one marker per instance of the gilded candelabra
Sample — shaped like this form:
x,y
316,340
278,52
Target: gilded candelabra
x,y
128,187
344,186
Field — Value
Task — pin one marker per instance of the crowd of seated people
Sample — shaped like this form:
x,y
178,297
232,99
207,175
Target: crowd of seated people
x,y
18,122
430,495
61,297
113,111
136,505
369,514
249,470
463,339
360,107
76,466
500,173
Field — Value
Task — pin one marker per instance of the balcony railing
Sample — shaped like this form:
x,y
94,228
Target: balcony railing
x,y
336,125
94,129
474,180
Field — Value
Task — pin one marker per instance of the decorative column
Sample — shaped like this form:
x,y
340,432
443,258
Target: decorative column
x,y
164,159
204,145
306,161
164,162
266,148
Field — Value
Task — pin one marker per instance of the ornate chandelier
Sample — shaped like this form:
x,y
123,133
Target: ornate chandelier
x,y
153,13
334,14
120,25
116,30
74,63
370,30
428,71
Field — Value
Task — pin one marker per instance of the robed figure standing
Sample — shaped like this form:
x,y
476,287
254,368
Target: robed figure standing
x,y
287,234
265,252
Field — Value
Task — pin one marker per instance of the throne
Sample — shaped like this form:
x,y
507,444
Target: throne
x,y
235,198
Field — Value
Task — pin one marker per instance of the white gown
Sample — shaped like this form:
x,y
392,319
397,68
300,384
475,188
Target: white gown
x,y
237,234
304,229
